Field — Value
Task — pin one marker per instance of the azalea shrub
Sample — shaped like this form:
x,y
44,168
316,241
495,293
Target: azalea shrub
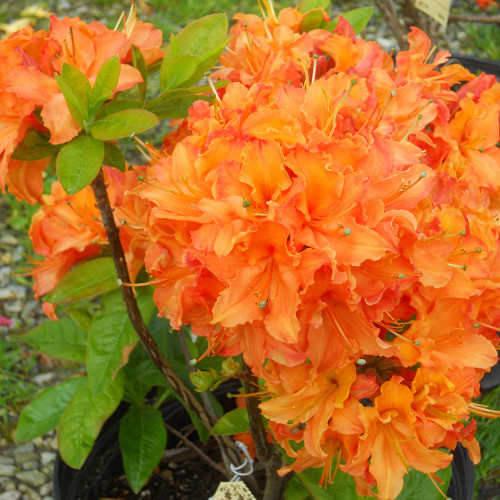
x,y
321,220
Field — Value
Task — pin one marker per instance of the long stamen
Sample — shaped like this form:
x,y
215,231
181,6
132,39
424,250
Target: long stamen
x,y
446,497
214,90
416,342
458,266
419,117
479,323
463,252
404,187
483,410
334,113
315,64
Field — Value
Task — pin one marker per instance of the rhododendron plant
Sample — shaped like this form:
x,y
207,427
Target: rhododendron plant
x,y
323,216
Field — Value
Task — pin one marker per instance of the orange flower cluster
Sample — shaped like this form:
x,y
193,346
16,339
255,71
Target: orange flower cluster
x,y
341,233
30,96
67,229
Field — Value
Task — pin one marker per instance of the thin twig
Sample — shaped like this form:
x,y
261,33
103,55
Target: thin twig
x,y
388,10
200,452
229,451
453,18
267,453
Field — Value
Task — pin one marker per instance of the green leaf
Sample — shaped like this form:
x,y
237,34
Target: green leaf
x,y
142,440
79,162
62,339
418,485
232,422
139,63
119,105
35,146
113,157
308,5
112,338
44,412
82,420
142,374
312,20
358,19
92,278
76,88
122,124
174,73
177,107
105,83
81,316
204,380
175,93
204,39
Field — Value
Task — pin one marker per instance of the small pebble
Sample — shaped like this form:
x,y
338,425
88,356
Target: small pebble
x,y
32,477
47,457
25,452
7,470
9,239
10,495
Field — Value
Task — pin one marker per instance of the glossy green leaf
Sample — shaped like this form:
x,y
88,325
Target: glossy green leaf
x,y
44,412
80,316
93,277
79,162
204,39
418,485
105,83
76,88
142,374
178,71
205,379
139,63
112,337
113,157
62,339
312,20
358,19
232,422
35,146
177,107
308,5
123,124
119,105
83,418
142,440
177,93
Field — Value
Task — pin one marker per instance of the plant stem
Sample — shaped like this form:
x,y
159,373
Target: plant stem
x,y
267,453
200,452
453,18
228,448
388,11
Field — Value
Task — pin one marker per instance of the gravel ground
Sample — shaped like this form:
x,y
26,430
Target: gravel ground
x,y
26,469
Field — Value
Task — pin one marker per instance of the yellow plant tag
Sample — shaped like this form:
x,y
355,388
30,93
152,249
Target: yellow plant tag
x,y
437,9
235,490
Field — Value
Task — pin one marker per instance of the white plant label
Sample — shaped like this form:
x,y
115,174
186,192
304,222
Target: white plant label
x,y
236,490
437,9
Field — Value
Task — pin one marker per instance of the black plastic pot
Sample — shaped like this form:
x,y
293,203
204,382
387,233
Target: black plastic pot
x,y
105,459
462,475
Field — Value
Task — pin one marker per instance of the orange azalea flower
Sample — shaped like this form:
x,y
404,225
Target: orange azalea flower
x,y
314,404
391,443
67,229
